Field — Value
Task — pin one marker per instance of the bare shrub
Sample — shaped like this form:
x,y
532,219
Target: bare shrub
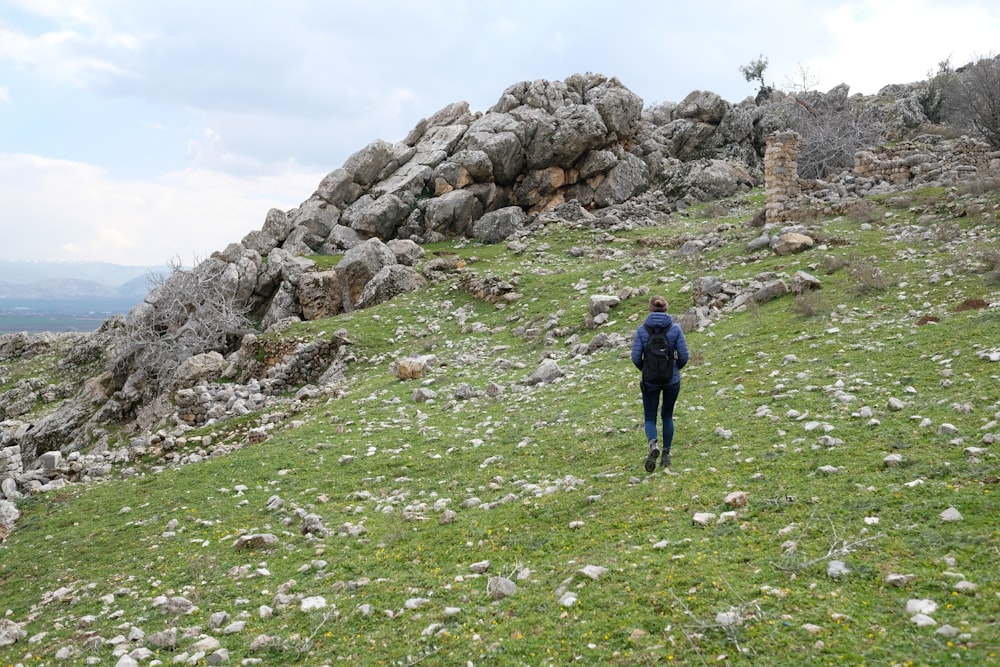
x,y
947,231
811,304
861,210
867,276
830,264
759,218
186,313
972,99
832,127
715,210
990,261
982,185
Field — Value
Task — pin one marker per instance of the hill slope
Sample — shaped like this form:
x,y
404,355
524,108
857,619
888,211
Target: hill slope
x,y
473,516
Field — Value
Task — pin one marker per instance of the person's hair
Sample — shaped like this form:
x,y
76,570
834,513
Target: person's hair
x,y
657,304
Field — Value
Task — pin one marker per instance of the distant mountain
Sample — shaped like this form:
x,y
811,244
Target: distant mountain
x,y
74,280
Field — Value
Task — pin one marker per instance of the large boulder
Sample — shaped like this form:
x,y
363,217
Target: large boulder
x,y
338,188
625,180
706,179
366,164
452,214
561,138
501,137
619,107
702,107
359,265
317,216
389,282
198,369
320,294
380,217
406,251
498,225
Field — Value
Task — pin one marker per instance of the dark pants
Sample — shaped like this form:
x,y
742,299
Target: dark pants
x,y
650,403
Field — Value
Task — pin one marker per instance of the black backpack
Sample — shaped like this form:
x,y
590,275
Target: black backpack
x,y
658,357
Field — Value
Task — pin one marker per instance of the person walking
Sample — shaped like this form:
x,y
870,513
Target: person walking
x,y
660,351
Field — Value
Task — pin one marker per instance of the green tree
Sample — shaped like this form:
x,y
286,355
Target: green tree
x,y
754,71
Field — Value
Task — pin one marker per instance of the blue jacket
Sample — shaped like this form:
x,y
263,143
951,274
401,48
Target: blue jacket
x,y
674,336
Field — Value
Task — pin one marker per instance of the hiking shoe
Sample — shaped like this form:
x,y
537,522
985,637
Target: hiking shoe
x,y
651,458
665,461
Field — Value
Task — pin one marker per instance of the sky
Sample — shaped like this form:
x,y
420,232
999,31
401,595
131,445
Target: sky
x,y
141,132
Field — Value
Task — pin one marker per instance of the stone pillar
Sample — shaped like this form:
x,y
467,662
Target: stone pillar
x,y
781,178
11,468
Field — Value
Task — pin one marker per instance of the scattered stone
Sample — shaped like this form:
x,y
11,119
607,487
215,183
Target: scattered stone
x,y
899,580
256,541
568,599
313,603
10,632
499,588
836,569
173,606
728,618
205,645
548,371
921,606
703,518
948,631
965,587
593,571
950,515
892,460
737,499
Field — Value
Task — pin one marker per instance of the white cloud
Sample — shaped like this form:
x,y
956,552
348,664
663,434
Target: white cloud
x,y
70,210
880,42
4,95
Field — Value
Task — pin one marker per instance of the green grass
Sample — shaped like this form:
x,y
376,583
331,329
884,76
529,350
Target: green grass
x,y
557,471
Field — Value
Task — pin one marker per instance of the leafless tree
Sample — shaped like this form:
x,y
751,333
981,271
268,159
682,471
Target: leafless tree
x,y
832,129
187,312
972,101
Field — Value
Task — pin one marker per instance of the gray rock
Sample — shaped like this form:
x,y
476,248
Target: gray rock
x,y
367,164
547,371
836,569
198,368
791,243
407,252
452,214
389,282
496,226
359,265
320,294
276,225
380,217
951,515
499,588
339,189
10,632
626,179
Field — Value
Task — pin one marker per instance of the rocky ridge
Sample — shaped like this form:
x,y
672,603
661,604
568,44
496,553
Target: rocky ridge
x,y
578,152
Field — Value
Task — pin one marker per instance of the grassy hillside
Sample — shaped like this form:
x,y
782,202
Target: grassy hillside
x,y
428,505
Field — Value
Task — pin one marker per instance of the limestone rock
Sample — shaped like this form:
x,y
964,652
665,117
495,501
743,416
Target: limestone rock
x,y
389,282
359,265
320,294
498,225
791,243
